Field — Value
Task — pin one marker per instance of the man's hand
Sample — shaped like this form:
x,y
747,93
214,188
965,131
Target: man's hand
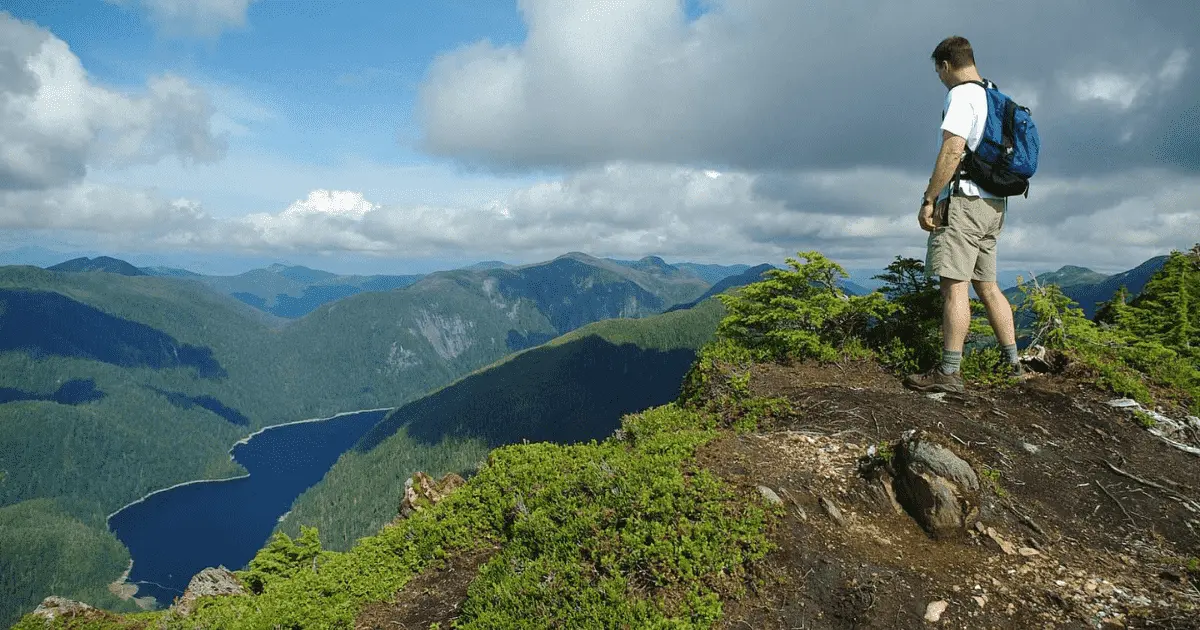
x,y
925,217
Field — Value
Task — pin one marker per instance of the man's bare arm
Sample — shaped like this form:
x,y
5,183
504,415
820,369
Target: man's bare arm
x,y
947,161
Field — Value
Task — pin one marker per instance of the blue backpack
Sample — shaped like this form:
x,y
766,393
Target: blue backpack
x,y
1007,155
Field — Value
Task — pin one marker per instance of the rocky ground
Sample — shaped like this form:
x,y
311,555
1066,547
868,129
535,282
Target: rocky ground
x,y
1082,518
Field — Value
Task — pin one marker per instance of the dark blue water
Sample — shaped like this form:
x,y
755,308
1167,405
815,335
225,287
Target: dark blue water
x,y
176,533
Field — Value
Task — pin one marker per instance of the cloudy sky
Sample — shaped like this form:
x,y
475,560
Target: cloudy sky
x,y
407,136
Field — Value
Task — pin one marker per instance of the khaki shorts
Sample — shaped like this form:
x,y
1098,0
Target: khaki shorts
x,y
963,247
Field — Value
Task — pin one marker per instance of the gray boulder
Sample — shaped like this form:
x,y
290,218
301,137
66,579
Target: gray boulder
x,y
208,583
937,488
54,607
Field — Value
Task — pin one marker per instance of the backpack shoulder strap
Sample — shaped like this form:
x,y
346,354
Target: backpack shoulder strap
x,y
985,84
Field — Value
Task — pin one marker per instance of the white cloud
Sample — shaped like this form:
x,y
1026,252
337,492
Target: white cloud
x,y
1123,90
1024,94
1111,88
1174,68
57,122
204,18
101,209
634,209
337,203
769,84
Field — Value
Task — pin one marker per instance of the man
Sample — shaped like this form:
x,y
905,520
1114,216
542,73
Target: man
x,y
963,222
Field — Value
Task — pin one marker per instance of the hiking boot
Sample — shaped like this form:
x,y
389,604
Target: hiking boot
x,y
935,381
1018,371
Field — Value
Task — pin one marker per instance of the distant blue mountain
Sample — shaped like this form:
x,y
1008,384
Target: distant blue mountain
x,y
291,291
749,276
302,274
713,273
169,272
488,265
100,263
1090,289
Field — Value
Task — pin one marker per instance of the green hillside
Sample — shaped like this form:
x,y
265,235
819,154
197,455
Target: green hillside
x,y
151,347
40,538
572,389
1088,288
636,531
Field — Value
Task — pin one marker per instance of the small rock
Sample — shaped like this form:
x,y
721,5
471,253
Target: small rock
x,y
770,495
980,599
933,612
1029,552
1105,588
53,607
1121,403
1090,586
421,491
833,511
1032,449
1005,546
939,396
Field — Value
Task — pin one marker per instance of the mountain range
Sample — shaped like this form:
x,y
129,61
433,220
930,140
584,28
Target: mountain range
x,y
572,389
106,375
293,291
106,369
1088,288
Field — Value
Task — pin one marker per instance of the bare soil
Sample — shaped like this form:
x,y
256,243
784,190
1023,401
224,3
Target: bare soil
x,y
1101,548
433,596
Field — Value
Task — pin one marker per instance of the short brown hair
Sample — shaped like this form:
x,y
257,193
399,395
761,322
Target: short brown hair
x,y
956,50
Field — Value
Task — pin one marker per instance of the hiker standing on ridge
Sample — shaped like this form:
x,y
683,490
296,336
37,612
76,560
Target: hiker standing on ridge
x,y
963,221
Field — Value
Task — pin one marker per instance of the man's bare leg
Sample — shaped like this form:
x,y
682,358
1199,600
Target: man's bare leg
x,y
956,321
956,314
999,312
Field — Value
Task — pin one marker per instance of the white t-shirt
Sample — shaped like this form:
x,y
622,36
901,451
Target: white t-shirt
x,y
964,115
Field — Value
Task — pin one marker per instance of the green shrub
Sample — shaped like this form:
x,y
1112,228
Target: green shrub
x,y
801,313
282,558
1153,340
909,338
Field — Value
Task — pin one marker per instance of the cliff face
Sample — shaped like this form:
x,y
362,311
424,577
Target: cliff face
x,y
1045,504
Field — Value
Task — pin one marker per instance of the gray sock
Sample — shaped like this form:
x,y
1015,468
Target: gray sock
x,y
1011,353
951,361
